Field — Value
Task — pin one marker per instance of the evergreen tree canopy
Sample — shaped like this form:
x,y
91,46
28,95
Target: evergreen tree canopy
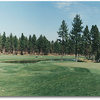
x,y
76,33
22,43
63,35
3,40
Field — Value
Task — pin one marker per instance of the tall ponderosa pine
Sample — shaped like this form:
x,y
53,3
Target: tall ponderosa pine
x,y
63,36
76,33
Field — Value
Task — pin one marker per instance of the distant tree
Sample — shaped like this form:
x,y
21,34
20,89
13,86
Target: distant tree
x,y
22,43
43,45
18,44
40,44
76,33
26,42
52,47
30,44
57,47
46,46
0,43
7,45
34,45
3,42
63,36
11,43
15,43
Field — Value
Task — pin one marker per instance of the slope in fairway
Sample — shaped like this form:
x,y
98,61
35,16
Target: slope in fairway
x,y
48,78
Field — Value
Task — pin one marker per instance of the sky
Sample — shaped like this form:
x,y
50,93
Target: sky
x,y
45,17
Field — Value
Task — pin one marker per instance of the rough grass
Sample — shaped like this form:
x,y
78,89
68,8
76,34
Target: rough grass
x,y
29,57
48,78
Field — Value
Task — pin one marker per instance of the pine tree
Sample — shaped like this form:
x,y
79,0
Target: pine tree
x,y
22,43
11,43
70,45
3,42
76,33
30,45
46,46
52,47
43,45
57,47
40,44
7,45
0,43
34,46
95,42
86,42
26,41
15,43
63,36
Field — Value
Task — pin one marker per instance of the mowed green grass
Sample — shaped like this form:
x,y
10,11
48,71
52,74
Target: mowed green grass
x,y
48,78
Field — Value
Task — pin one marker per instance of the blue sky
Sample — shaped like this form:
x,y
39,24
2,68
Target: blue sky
x,y
45,17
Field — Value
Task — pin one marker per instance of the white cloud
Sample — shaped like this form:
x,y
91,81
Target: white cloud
x,y
63,4
66,5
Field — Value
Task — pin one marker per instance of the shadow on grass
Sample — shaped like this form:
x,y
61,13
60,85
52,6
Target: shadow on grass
x,y
36,60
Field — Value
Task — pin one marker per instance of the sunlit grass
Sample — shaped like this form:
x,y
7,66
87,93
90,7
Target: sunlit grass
x,y
48,78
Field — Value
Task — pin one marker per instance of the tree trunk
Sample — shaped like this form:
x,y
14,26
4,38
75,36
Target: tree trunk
x,y
76,53
21,52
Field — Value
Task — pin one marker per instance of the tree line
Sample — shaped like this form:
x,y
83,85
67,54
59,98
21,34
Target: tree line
x,y
79,41
23,45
